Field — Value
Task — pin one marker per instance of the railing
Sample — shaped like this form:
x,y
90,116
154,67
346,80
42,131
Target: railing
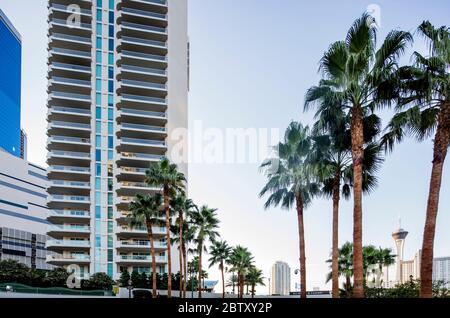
x,y
66,80
77,26
70,154
145,70
71,95
144,55
162,2
141,98
143,27
69,228
69,243
141,156
142,244
74,198
71,52
67,258
70,124
143,141
71,110
71,67
62,7
69,169
144,84
143,127
143,112
135,184
70,183
61,36
70,213
145,13
70,139
137,170
157,230
160,259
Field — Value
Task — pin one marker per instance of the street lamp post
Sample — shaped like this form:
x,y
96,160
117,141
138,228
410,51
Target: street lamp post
x,y
297,272
130,287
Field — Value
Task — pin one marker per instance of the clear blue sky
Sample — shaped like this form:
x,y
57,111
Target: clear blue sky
x,y
251,62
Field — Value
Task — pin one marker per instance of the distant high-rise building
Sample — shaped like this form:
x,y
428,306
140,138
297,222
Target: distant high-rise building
x,y
10,86
118,86
23,144
280,279
441,270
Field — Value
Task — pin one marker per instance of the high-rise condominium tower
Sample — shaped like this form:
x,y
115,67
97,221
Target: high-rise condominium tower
x,y
118,85
280,279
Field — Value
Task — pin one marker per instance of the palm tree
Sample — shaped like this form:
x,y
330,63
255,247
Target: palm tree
x,y
345,266
232,281
331,155
423,110
166,176
146,211
290,182
189,231
206,223
241,261
220,252
254,278
384,258
353,76
181,205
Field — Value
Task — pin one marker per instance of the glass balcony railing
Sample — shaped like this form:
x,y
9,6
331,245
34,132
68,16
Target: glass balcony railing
x,y
142,244
161,2
143,141
68,243
157,230
70,139
70,169
135,184
65,95
133,170
69,124
63,22
147,258
144,56
70,213
72,38
71,67
76,198
129,111
144,70
126,82
70,183
130,39
143,27
71,52
60,153
67,258
66,80
71,110
144,98
145,13
141,156
143,127
61,7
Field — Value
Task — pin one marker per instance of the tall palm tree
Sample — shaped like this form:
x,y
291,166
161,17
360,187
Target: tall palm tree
x,y
353,76
181,205
220,252
166,176
146,211
241,261
331,155
232,281
189,231
206,223
290,182
384,258
423,111
254,278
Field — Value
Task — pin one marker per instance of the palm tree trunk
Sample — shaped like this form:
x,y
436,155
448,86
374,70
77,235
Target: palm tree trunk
x,y
200,252
185,270
253,290
169,255
223,279
335,248
152,252
182,275
348,284
301,234
357,136
441,143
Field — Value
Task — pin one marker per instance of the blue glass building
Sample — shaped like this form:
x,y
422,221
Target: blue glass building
x,y
10,86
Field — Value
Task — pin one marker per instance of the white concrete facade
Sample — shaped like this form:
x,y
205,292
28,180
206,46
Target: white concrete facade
x,y
117,89
280,281
23,212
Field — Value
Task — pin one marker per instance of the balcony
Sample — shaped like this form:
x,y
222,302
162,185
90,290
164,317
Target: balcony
x,y
60,231
72,26
70,97
70,111
142,142
69,184
69,170
132,171
142,117
140,245
61,216
146,60
64,140
69,82
141,259
77,199
70,67
55,7
69,125
68,259
55,245
157,147
143,14
70,55
84,156
144,85
79,40
141,159
139,231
